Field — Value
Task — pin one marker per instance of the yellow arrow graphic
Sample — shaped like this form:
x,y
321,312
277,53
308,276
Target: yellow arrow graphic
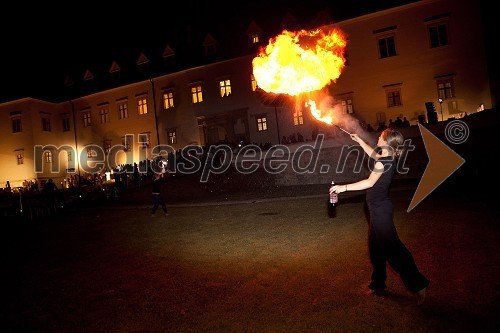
x,y
443,162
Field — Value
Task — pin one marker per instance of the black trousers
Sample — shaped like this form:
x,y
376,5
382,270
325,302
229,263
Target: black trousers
x,y
158,201
385,246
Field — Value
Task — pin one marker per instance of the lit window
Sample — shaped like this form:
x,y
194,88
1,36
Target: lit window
x,y
387,47
20,157
172,137
16,125
261,123
91,153
123,110
142,105
86,119
254,83
196,94
347,106
104,112
168,100
394,98
107,146
225,88
255,38
46,124
298,118
445,88
48,157
66,124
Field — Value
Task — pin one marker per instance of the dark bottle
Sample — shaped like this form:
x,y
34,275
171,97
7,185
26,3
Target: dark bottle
x,y
332,204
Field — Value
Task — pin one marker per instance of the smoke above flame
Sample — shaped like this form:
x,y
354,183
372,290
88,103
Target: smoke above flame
x,y
299,62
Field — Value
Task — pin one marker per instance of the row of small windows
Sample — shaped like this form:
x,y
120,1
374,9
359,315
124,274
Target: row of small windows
x,y
144,142
47,157
142,108
445,89
46,125
393,97
91,153
168,103
438,36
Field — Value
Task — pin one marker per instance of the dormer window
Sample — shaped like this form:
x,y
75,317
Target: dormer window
x,y
168,56
88,76
115,68
143,63
210,45
254,33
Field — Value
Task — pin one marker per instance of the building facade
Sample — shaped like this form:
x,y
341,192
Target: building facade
x,y
401,62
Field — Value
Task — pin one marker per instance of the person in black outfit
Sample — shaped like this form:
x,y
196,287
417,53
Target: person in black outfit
x,y
383,240
157,194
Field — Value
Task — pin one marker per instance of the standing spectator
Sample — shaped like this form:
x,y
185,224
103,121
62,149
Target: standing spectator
x,y
157,193
406,123
381,126
49,187
398,123
51,196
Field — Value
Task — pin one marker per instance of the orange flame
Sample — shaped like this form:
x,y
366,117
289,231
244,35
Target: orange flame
x,y
326,117
298,62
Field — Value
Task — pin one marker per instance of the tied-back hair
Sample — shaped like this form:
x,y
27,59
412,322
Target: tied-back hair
x,y
394,140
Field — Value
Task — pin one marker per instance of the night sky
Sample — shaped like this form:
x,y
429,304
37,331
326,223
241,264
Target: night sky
x,y
42,43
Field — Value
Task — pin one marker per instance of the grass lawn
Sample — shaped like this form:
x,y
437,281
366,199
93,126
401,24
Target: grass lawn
x,y
269,266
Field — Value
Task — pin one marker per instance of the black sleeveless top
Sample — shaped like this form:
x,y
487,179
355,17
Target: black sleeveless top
x,y
380,191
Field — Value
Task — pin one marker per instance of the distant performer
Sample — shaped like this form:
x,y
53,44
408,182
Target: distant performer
x,y
157,193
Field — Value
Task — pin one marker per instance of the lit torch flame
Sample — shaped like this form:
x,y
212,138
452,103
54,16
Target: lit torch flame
x,y
300,62
324,116
318,114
